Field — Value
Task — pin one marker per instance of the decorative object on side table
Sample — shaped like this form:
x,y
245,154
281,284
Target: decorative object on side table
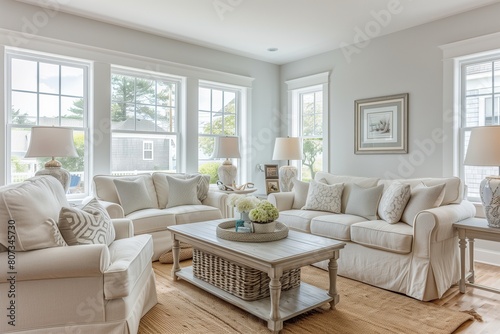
x,y
52,141
484,150
272,186
227,147
263,217
287,149
381,125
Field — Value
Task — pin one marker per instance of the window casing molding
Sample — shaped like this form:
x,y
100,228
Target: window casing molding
x,y
455,56
298,87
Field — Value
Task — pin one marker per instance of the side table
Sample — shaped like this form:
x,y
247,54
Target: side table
x,y
468,230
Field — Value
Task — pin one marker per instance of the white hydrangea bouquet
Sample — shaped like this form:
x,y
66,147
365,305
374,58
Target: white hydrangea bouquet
x,y
264,213
243,204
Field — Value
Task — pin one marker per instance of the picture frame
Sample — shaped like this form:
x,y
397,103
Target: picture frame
x,y
381,125
272,186
271,171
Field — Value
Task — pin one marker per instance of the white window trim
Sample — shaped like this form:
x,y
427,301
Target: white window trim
x,y
60,60
454,56
304,85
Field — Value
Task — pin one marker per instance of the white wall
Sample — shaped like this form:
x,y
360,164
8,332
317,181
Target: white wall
x,y
409,61
60,33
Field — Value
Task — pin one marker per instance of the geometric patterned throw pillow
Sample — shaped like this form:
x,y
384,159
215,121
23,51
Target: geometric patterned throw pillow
x,y
88,225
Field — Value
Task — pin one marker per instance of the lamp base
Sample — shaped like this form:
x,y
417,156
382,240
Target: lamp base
x,y
59,173
287,174
227,173
490,196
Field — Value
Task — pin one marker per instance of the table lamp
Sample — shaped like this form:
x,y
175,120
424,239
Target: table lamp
x,y
287,149
484,150
227,147
51,141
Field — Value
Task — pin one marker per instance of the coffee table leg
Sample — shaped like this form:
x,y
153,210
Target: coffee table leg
x,y
175,253
275,323
332,270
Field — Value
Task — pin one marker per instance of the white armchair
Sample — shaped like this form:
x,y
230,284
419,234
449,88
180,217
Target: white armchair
x,y
82,288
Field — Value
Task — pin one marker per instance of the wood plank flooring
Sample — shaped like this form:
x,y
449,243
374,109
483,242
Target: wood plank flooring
x,y
485,304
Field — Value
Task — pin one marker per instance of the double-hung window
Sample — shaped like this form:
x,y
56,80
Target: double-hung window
x,y
218,115
308,98
144,116
480,96
51,91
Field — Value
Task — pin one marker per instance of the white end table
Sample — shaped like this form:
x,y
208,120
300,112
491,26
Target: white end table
x,y
468,230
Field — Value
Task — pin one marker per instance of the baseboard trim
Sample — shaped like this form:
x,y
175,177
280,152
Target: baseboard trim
x,y
487,256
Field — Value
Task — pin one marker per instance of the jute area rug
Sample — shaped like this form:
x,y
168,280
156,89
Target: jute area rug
x,y
184,308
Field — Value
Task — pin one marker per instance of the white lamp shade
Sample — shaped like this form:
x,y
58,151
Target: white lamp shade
x,y
287,149
226,147
484,147
51,141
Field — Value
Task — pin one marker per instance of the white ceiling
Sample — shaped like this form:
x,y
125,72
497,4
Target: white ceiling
x,y
297,28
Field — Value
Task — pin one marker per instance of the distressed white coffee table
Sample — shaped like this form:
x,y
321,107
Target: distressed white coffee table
x,y
273,258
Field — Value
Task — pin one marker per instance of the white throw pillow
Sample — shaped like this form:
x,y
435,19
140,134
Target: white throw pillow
x,y
133,195
324,197
393,202
300,190
364,202
203,185
422,198
182,192
29,211
88,225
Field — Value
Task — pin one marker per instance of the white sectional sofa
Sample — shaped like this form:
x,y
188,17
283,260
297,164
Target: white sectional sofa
x,y
155,201
51,287
416,254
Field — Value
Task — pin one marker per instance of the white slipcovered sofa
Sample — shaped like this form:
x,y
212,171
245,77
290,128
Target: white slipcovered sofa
x,y
51,287
415,254
155,201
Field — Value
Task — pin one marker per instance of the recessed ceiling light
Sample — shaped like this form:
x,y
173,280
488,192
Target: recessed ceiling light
x,y
272,49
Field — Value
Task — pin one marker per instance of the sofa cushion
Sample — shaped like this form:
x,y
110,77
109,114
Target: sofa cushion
x,y
365,182
422,198
194,213
396,238
129,258
34,206
133,195
89,225
324,197
162,186
335,226
151,220
182,192
364,201
104,188
300,190
453,189
393,202
299,220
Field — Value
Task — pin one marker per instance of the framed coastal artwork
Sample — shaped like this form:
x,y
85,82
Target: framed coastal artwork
x,y
381,125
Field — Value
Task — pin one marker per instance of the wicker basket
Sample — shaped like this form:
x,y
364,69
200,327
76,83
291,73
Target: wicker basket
x,y
239,280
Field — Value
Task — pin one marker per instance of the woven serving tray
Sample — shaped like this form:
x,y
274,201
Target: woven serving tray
x,y
226,230
239,280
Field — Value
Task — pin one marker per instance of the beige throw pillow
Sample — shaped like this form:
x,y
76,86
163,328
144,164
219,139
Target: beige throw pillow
x,y
393,202
324,197
422,198
182,192
300,190
133,195
364,202
89,225
203,185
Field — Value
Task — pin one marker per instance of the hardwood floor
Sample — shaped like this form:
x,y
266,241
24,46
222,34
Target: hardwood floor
x,y
486,305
